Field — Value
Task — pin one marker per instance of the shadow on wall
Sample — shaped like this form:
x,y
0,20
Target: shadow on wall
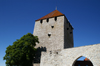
x,y
38,54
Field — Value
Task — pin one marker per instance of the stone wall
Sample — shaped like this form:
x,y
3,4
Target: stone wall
x,y
68,34
36,64
67,57
61,35
43,29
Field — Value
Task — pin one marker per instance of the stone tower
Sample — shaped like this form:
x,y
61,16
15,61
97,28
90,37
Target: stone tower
x,y
54,32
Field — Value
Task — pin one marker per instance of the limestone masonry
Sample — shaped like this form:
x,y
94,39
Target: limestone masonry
x,y
55,35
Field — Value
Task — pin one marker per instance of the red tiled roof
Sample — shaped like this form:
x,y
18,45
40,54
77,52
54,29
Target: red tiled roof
x,y
52,14
86,59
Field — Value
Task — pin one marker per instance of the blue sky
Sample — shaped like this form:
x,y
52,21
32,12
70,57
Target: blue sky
x,y
17,18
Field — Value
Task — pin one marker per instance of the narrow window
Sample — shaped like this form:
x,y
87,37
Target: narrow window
x,y
49,35
41,21
47,19
52,26
67,28
70,32
55,18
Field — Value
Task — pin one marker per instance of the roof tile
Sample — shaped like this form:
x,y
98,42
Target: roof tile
x,y
86,59
52,14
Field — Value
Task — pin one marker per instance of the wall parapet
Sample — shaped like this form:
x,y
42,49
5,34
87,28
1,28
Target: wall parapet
x,y
67,57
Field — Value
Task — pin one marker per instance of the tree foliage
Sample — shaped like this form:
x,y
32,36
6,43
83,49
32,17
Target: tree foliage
x,y
22,51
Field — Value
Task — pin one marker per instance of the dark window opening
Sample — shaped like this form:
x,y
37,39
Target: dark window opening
x,y
52,26
70,32
67,28
41,21
47,19
55,18
49,35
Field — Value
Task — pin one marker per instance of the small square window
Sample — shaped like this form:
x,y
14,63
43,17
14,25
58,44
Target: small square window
x,y
49,35
70,32
67,28
47,19
55,18
52,26
41,21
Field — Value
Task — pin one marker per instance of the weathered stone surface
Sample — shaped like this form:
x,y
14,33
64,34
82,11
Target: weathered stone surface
x,y
60,37
56,39
67,57
36,64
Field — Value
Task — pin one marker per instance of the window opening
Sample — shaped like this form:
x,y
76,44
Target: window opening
x,y
49,35
70,32
67,28
47,19
55,18
52,26
41,21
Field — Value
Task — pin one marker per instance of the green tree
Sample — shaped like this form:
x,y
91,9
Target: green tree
x,y
22,52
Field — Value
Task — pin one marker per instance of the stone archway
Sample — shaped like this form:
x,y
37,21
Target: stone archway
x,y
82,62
